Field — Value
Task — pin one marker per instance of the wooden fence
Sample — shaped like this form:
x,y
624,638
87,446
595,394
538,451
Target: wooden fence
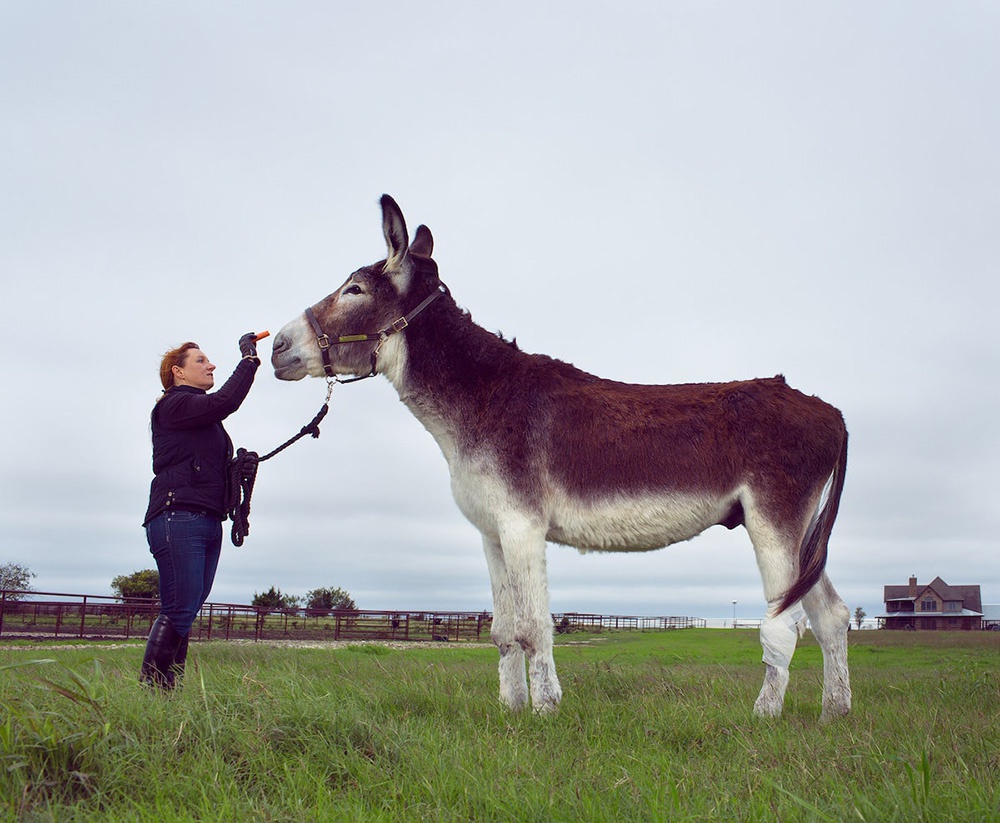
x,y
574,621
50,615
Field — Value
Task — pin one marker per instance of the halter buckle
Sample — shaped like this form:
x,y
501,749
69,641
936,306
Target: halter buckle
x,y
399,325
323,341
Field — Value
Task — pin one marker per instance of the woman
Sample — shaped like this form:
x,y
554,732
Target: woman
x,y
187,498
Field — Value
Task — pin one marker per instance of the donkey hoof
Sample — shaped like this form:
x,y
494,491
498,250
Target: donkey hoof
x,y
514,703
831,713
767,708
547,707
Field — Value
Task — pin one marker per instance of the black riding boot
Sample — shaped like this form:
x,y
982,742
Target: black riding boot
x,y
161,649
180,657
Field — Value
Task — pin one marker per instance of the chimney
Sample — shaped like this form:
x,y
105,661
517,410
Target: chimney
x,y
913,586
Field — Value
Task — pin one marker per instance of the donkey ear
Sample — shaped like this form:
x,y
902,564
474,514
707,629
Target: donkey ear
x,y
423,242
394,229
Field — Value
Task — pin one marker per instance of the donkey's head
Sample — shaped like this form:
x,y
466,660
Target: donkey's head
x,y
342,333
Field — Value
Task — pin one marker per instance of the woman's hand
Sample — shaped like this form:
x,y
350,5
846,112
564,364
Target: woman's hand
x,y
248,344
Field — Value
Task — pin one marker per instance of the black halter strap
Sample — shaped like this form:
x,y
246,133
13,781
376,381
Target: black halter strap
x,y
324,342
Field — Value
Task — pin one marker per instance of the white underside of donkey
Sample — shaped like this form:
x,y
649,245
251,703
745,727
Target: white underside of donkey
x,y
515,535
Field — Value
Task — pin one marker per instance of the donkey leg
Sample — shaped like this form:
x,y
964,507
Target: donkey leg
x,y
778,635
830,617
776,559
513,682
524,555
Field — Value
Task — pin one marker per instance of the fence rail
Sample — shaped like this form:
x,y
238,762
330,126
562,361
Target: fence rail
x,y
52,615
574,621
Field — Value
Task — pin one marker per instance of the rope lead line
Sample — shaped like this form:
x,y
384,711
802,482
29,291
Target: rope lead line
x,y
243,473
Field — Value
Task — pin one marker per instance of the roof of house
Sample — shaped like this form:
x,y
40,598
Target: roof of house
x,y
969,595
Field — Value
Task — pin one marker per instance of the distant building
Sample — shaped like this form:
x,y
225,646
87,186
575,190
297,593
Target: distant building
x,y
933,606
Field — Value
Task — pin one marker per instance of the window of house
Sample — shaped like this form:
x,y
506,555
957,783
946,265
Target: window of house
x,y
953,606
928,605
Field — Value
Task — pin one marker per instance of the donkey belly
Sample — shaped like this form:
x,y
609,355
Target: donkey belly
x,y
638,522
635,523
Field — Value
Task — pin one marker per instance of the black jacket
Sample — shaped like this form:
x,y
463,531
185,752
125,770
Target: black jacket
x,y
191,450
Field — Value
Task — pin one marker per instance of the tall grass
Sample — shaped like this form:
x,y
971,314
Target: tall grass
x,y
652,727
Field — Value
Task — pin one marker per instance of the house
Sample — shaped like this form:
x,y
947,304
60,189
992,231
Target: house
x,y
933,606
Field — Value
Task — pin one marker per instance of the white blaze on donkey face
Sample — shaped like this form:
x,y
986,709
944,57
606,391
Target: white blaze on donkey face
x,y
541,451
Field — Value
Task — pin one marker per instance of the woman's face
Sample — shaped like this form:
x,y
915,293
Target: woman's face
x,y
196,371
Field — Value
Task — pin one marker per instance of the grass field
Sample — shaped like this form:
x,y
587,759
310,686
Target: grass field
x,y
653,726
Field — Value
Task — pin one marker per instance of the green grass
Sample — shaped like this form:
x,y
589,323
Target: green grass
x,y
653,726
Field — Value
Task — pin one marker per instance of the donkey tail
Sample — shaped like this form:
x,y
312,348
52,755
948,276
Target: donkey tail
x,y
812,552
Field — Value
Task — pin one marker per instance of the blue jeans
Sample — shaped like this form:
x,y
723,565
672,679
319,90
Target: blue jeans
x,y
186,547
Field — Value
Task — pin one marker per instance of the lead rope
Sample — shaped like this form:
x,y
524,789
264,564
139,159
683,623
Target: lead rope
x,y
243,472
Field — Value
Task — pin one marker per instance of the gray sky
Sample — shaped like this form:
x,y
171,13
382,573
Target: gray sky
x,y
655,191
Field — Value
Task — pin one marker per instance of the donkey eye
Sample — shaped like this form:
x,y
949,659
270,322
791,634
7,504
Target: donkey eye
x,y
353,290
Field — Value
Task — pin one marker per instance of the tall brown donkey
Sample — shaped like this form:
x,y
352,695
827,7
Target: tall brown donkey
x,y
541,451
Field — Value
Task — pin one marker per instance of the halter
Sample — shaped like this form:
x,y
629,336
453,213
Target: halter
x,y
324,342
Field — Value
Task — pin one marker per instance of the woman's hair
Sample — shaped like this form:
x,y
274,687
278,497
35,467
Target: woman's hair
x,y
174,357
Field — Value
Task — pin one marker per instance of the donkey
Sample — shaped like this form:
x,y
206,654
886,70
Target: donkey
x,y
541,451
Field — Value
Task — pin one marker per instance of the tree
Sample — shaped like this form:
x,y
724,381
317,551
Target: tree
x,y
326,599
859,616
15,578
141,585
274,600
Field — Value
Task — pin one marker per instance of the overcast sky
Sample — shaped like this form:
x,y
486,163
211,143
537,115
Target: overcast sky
x,y
654,191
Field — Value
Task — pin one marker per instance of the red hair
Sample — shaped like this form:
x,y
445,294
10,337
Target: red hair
x,y
174,357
